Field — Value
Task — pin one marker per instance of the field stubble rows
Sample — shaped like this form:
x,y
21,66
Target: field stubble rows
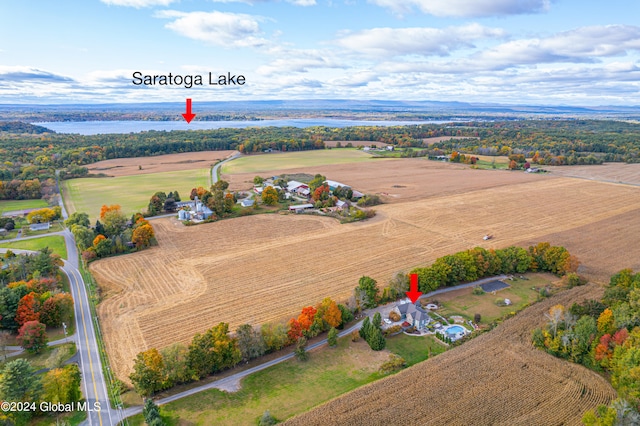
x,y
265,268
498,378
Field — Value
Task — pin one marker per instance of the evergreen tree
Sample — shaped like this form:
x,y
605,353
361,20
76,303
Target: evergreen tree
x,y
364,329
376,340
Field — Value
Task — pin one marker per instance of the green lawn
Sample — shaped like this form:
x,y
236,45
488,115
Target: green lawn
x,y
466,304
39,361
414,349
131,192
260,163
54,242
11,205
285,389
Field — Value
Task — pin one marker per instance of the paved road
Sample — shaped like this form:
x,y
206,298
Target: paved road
x,y
214,171
94,385
31,237
232,383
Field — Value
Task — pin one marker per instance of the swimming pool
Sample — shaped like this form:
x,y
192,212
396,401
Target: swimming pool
x,y
454,330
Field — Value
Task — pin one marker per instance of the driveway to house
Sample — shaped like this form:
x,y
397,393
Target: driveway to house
x,y
232,383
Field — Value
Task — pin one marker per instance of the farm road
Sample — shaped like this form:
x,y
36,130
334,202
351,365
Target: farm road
x,y
214,170
232,382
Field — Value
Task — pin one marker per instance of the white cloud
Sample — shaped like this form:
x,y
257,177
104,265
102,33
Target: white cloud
x,y
585,44
218,28
296,2
30,74
420,41
138,3
466,8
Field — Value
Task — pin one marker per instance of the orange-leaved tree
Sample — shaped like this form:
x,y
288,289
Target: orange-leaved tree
x,y
28,309
105,209
142,235
306,317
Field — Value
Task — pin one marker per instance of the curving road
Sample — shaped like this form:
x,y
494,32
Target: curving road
x,y
93,383
214,170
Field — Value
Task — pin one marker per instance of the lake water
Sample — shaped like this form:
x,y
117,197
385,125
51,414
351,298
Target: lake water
x,y
106,127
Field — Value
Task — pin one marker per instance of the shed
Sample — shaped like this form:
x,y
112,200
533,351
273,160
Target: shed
x,y
39,226
300,207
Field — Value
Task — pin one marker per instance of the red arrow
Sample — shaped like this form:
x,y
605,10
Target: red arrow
x,y
188,116
413,292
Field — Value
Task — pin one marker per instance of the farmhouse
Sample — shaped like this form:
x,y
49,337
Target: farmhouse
x,y
414,314
40,226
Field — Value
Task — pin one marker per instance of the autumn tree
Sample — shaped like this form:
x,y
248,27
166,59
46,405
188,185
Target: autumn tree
x,y
306,317
294,330
606,322
330,313
321,193
41,215
269,196
513,165
97,239
318,180
148,373
106,209
114,222
32,337
28,309
57,309
62,384
213,351
142,235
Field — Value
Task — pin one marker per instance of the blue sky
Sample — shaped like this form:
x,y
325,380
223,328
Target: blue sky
x,y
552,52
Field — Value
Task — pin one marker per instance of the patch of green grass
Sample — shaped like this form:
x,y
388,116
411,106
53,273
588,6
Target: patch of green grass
x,y
131,192
39,361
260,163
54,242
285,389
11,205
466,304
414,349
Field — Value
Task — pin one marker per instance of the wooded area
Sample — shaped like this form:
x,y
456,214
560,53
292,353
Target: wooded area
x,y
31,155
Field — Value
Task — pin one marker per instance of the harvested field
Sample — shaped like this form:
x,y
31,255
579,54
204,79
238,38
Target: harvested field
x,y
159,163
403,179
431,141
266,268
608,172
498,378
332,144
266,163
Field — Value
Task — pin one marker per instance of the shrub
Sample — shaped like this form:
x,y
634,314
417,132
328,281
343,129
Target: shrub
x,y
478,291
267,419
394,363
394,316
355,335
392,330
477,318
499,301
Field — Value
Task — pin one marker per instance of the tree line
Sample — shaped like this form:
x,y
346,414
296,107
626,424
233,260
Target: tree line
x,y
32,299
563,142
216,349
112,233
603,335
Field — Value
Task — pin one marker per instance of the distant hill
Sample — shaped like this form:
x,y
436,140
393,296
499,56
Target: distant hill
x,y
20,127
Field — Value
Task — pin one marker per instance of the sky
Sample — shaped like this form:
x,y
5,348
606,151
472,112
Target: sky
x,y
540,52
